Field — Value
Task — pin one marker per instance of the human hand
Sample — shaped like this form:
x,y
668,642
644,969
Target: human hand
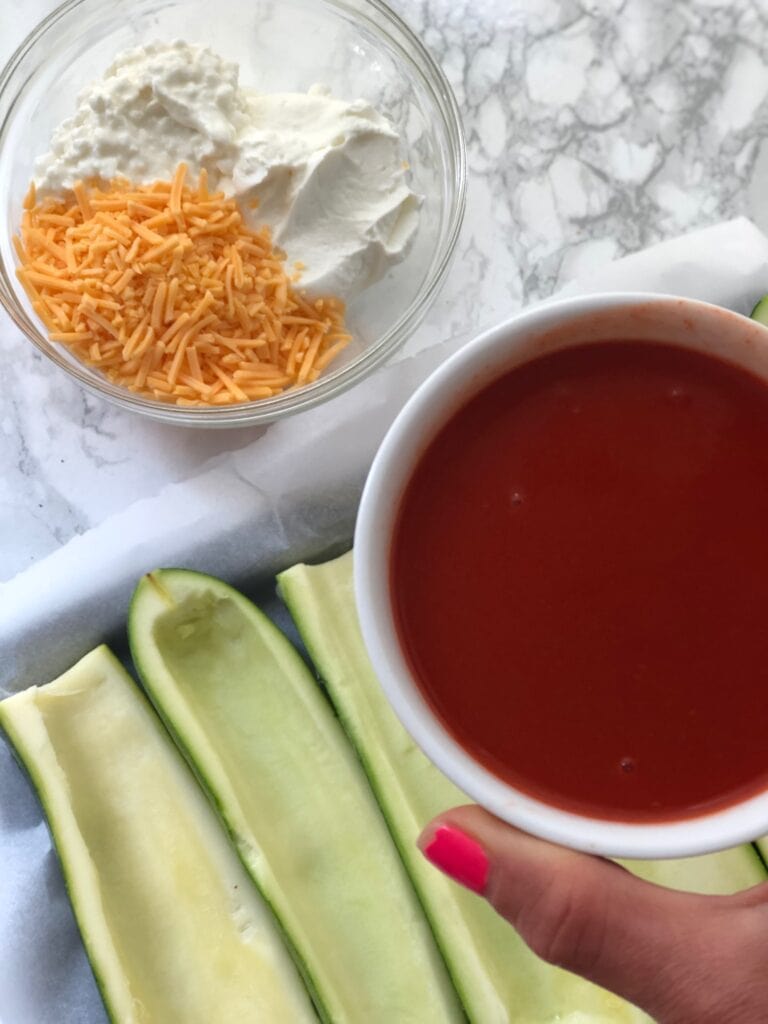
x,y
683,958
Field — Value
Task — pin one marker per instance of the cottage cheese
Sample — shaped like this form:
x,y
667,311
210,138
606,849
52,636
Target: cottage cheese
x,y
155,107
325,174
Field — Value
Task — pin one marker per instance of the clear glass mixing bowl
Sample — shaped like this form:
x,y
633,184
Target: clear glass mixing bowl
x,y
358,48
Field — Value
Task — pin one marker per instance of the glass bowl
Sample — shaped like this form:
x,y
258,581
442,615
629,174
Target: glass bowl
x,y
358,48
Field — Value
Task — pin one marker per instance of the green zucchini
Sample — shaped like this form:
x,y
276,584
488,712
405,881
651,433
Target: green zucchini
x,y
717,874
172,926
498,978
760,312
251,720
761,847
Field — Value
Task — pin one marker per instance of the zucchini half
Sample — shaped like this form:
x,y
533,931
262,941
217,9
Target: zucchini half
x,y
262,738
760,311
173,928
498,978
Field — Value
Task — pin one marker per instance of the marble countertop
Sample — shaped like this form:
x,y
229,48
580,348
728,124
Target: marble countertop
x,y
594,128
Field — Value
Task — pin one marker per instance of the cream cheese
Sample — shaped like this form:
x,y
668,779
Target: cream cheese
x,y
329,179
325,174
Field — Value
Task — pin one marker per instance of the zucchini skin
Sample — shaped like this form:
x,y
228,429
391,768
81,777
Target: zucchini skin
x,y
27,767
170,923
206,709
218,805
320,599
498,979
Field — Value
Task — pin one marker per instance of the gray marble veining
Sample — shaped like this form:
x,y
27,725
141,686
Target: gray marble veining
x,y
593,129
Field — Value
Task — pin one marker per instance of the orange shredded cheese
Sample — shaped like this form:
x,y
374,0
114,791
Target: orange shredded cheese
x,y
164,290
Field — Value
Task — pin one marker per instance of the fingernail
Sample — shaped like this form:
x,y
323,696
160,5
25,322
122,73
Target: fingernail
x,y
459,856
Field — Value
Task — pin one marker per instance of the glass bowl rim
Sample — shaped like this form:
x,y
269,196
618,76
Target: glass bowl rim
x,y
306,397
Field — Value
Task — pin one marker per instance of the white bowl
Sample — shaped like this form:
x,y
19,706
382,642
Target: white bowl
x,y
558,325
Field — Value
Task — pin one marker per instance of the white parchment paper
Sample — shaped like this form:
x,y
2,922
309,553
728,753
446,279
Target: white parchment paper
x,y
290,495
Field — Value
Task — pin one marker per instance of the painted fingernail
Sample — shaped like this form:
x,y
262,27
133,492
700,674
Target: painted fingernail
x,y
459,856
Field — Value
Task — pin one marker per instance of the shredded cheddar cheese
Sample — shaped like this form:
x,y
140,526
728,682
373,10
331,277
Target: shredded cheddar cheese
x,y
164,290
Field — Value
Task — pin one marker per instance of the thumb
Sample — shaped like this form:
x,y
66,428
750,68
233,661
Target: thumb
x,y
679,956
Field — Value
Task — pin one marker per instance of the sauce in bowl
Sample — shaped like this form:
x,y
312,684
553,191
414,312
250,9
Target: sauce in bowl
x,y
579,579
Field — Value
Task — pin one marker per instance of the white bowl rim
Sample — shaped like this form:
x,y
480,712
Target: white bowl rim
x,y
737,823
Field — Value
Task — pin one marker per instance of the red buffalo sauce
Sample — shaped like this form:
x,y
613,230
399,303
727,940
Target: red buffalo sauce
x,y
579,573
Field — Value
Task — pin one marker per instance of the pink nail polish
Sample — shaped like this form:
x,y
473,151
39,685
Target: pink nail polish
x,y
459,856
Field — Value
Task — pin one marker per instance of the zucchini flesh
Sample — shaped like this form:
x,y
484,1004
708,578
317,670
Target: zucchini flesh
x,y
716,874
498,978
172,927
251,720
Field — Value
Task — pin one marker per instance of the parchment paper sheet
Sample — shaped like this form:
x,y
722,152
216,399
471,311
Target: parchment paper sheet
x,y
290,495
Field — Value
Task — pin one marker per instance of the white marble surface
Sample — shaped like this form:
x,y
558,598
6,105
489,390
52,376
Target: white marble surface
x,y
594,127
